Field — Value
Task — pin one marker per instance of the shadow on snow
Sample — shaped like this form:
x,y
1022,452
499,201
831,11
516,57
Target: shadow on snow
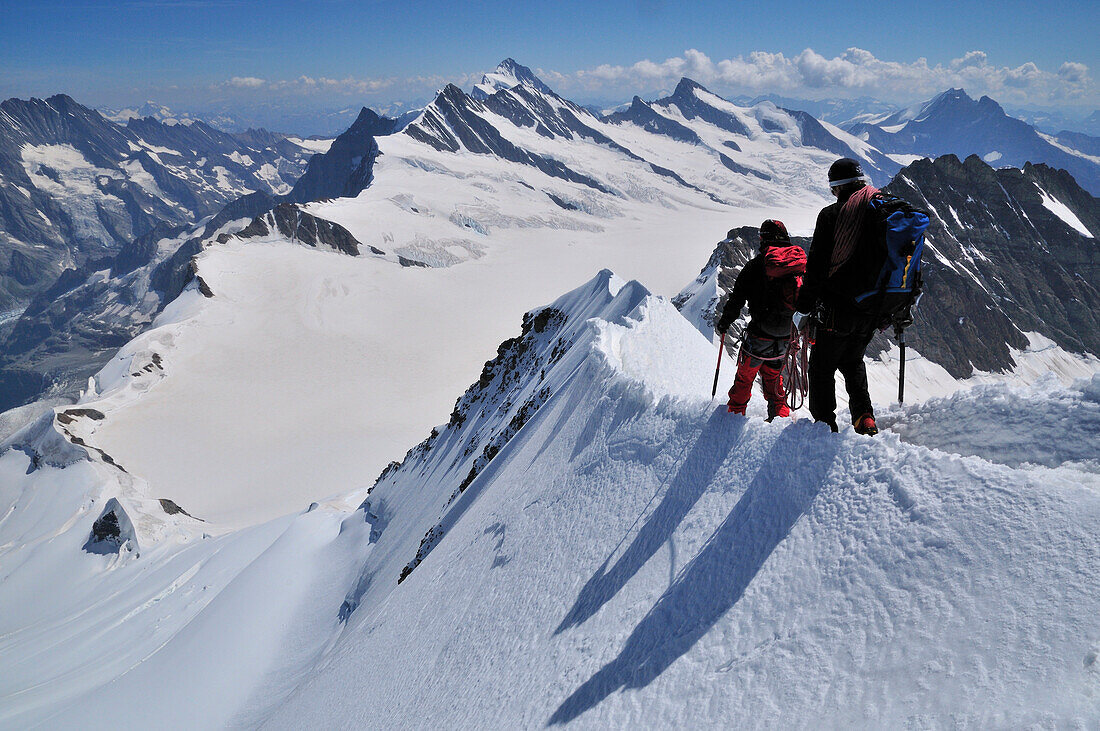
x,y
708,587
691,481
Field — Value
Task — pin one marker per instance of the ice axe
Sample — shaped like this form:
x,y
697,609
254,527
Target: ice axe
x,y
721,347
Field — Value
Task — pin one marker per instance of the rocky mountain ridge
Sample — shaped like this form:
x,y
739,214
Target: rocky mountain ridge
x,y
75,187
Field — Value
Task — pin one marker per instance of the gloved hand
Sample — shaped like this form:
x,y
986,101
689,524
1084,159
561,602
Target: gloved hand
x,y
801,320
721,326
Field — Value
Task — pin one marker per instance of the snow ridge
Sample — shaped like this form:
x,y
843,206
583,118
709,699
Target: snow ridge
x,y
631,539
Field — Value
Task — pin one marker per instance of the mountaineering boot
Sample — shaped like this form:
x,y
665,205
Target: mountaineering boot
x,y
779,409
866,425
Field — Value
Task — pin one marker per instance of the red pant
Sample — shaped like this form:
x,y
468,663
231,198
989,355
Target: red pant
x,y
770,377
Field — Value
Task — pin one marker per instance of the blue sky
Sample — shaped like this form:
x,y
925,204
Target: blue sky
x,y
187,52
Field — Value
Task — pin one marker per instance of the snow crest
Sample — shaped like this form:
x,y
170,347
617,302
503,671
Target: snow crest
x,y
591,541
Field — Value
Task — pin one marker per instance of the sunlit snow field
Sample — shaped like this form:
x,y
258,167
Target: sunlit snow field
x,y
590,538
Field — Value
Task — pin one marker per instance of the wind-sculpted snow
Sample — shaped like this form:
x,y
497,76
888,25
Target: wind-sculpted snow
x,y
634,556
588,541
1044,424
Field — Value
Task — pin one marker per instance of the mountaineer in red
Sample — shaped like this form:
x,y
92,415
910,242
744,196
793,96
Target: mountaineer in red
x,y
769,283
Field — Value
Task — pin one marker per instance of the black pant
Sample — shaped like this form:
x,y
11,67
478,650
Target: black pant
x,y
833,352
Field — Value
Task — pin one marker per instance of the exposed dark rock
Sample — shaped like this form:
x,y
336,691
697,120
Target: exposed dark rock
x,y
112,531
643,115
171,508
68,416
741,169
563,203
106,528
204,288
295,224
1015,265
348,166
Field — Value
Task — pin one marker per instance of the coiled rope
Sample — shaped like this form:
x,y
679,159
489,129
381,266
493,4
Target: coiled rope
x,y
796,368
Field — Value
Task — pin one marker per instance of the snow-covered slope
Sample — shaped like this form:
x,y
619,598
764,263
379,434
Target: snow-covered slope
x,y
635,557
507,75
520,175
691,143
588,539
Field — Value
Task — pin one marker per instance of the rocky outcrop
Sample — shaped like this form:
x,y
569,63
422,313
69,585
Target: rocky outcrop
x,y
291,221
348,166
112,532
1002,262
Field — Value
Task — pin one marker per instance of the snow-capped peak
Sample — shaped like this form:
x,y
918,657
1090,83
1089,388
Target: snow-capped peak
x,y
507,75
922,110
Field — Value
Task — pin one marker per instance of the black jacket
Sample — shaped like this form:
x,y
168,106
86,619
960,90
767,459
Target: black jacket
x,y
838,292
769,317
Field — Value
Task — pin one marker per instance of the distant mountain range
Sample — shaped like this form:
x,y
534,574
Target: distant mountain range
x,y
76,187
841,112
1058,123
124,208
284,118
953,123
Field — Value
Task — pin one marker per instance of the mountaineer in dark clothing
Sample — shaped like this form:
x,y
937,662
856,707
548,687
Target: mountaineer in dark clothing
x,y
833,279
769,284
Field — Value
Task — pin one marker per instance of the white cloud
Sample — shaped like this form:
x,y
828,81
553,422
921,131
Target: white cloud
x,y
246,82
348,86
1076,74
854,71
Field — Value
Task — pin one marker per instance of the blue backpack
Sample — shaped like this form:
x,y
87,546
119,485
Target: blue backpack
x,y
901,233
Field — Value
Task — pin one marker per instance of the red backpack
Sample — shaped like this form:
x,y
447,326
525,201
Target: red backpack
x,y
783,269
